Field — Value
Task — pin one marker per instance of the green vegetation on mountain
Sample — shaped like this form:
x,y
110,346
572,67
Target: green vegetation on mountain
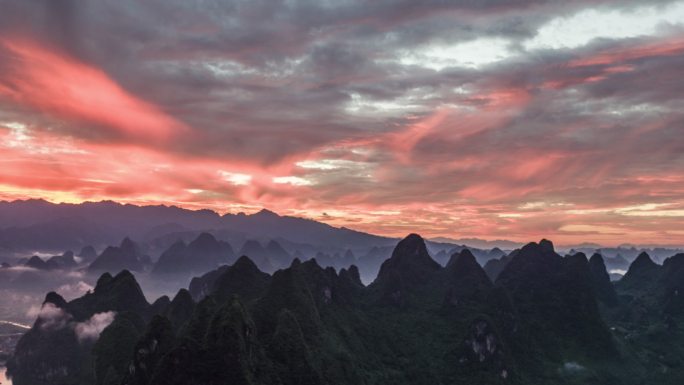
x,y
546,319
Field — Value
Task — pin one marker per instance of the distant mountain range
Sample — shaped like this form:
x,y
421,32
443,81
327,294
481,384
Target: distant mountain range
x,y
168,240
31,224
38,225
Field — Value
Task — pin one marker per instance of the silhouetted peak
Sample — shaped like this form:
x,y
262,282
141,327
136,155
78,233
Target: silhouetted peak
x,y
542,251
579,258
411,247
273,243
104,279
463,269
244,265
312,263
127,245
243,278
676,260
204,239
296,262
243,260
576,265
410,262
354,274
494,267
87,252
252,244
532,261
463,260
161,302
642,272
605,292
642,261
68,254
124,274
55,299
182,298
596,260
546,246
530,252
265,213
36,262
673,272
274,246
531,248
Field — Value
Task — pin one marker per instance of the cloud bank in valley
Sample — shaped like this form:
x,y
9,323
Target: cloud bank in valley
x,y
497,119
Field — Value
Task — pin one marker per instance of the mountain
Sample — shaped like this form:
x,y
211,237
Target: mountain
x,y
67,338
65,261
643,273
605,292
37,263
409,265
127,256
243,278
348,258
87,254
418,323
278,257
494,267
551,292
203,254
258,254
467,280
37,224
618,262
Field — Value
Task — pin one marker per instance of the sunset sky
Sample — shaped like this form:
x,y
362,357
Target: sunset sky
x,y
493,119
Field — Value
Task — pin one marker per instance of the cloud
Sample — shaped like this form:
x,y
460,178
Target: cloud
x,y
62,86
605,23
91,329
451,115
572,367
71,291
51,317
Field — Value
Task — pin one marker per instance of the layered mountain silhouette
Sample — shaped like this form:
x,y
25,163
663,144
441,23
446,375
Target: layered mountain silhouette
x,y
546,319
258,254
494,267
127,256
30,224
203,254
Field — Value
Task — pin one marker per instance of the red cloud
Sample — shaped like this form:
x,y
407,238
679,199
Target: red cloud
x,y
58,85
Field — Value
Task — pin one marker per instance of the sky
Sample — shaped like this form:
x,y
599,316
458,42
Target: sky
x,y
493,119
